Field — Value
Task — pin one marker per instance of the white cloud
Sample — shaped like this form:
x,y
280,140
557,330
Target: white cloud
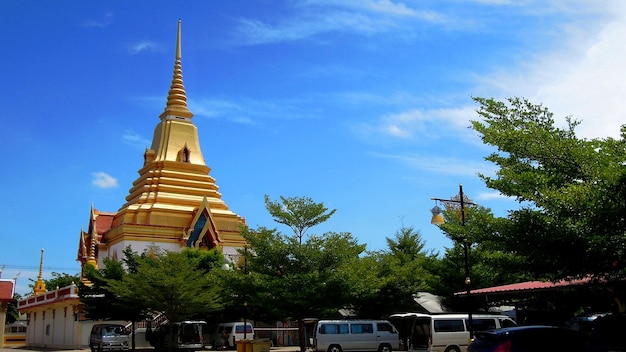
x,y
583,75
356,17
435,123
213,107
241,110
397,131
388,6
141,46
491,196
440,165
103,22
135,139
103,180
378,7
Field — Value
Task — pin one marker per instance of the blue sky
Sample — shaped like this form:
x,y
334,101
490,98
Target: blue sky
x,y
361,104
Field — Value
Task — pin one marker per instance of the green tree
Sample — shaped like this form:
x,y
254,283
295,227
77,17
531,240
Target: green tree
x,y
178,285
394,276
286,277
572,191
170,283
12,313
299,213
490,263
100,302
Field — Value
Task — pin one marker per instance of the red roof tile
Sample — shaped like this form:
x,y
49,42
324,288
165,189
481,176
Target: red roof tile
x,y
528,286
103,221
7,289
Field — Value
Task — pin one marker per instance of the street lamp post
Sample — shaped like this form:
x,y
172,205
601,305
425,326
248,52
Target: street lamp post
x,y
245,302
227,266
461,200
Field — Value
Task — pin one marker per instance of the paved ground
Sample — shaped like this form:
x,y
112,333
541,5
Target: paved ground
x,y
26,349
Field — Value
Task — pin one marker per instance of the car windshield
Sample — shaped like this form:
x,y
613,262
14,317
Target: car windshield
x,y
113,331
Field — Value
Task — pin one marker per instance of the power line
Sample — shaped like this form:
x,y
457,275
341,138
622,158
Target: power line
x,y
36,268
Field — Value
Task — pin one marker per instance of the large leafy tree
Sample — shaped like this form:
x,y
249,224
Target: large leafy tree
x,y
392,278
12,313
175,284
98,299
490,264
289,277
572,191
100,302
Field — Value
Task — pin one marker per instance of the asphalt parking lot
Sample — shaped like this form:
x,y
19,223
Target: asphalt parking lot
x,y
26,349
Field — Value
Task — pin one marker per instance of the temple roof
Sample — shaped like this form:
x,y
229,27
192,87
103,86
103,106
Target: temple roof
x,y
7,290
99,221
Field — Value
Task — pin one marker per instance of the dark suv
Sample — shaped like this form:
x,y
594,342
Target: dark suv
x,y
608,334
531,338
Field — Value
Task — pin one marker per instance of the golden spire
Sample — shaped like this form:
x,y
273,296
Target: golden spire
x,y
40,285
82,247
177,98
94,239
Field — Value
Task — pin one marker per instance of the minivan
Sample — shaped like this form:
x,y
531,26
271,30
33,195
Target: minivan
x,y
108,337
185,336
227,334
355,335
444,332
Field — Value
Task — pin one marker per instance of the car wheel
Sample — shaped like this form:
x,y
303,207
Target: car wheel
x,y
384,348
334,348
453,349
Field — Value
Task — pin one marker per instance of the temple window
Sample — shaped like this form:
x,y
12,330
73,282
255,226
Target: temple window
x,y
184,154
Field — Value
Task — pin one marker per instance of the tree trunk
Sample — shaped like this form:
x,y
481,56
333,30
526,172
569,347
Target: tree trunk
x,y
302,334
133,329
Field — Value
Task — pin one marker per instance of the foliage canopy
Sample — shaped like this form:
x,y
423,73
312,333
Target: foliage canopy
x,y
573,191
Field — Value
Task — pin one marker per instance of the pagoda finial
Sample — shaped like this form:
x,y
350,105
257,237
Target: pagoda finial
x,y
40,285
178,41
177,98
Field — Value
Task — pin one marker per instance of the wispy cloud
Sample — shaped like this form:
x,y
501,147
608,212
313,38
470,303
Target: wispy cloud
x,y
135,139
103,180
214,107
386,7
439,165
242,111
419,123
103,22
485,196
313,18
144,45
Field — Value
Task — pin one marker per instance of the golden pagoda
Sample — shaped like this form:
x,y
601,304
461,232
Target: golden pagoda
x,y
174,203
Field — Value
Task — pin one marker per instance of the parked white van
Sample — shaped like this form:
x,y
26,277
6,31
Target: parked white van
x,y
444,332
355,335
227,334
